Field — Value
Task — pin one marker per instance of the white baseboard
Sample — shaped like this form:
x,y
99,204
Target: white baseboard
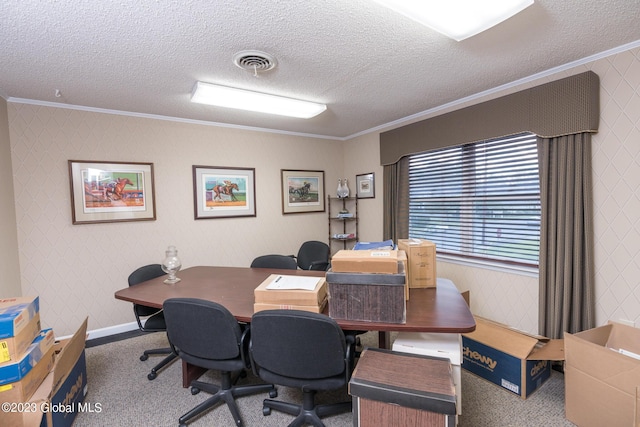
x,y
105,332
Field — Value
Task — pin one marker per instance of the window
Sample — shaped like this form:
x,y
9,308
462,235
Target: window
x,y
479,200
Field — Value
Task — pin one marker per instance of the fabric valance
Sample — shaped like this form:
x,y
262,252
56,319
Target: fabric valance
x,y
563,107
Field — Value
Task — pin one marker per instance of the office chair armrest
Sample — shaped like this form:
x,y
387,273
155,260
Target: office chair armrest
x,y
350,355
245,342
319,265
254,367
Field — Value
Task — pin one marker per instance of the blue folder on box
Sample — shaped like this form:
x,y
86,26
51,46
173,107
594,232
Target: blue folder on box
x,y
365,246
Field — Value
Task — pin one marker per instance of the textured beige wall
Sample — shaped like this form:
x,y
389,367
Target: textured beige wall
x,y
362,155
77,268
9,265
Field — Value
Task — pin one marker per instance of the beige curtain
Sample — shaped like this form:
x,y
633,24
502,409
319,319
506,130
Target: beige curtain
x,y
566,266
395,179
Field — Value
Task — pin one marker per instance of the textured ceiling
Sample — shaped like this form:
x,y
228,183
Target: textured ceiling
x,y
369,65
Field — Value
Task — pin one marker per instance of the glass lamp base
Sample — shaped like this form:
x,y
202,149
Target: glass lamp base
x,y
171,280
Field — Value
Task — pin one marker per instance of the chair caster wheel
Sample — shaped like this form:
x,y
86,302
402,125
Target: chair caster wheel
x,y
273,393
152,376
195,390
266,411
144,357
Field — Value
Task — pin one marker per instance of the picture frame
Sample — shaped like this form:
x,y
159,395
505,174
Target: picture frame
x,y
106,191
365,186
302,191
223,192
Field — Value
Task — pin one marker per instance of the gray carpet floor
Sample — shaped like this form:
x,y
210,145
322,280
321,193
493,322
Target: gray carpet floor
x,y
118,384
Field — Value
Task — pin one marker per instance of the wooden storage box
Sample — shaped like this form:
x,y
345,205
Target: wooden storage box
x,y
421,262
368,297
438,345
387,386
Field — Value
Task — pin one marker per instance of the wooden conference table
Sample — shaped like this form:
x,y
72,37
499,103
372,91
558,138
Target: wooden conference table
x,y
441,309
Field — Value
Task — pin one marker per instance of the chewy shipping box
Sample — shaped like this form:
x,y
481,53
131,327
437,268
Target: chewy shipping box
x,y
511,359
369,261
602,376
421,262
66,385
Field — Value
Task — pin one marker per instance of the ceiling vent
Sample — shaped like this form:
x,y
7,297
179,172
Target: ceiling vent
x,y
254,61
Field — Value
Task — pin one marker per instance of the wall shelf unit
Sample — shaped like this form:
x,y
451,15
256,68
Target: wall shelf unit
x,y
343,222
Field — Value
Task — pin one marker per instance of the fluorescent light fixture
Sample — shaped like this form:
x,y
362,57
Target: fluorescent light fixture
x,y
458,19
229,97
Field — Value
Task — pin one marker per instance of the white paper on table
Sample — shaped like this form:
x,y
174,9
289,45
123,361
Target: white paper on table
x,y
294,282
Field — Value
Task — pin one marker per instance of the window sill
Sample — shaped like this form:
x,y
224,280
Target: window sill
x,y
513,269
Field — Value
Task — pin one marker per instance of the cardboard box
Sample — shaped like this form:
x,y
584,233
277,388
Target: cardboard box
x,y
60,397
12,348
514,360
421,260
369,297
11,372
437,345
602,386
22,390
260,306
15,314
315,297
390,389
373,261
402,258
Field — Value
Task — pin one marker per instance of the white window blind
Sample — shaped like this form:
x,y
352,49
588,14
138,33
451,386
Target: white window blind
x,y
479,200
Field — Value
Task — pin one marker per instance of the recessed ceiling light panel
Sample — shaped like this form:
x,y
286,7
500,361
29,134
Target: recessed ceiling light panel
x,y
458,19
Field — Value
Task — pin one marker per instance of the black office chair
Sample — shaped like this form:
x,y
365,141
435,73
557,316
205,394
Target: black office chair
x,y
275,261
313,255
154,317
305,350
205,334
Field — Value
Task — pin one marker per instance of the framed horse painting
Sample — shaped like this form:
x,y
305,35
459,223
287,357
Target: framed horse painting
x,y
223,192
302,191
111,191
